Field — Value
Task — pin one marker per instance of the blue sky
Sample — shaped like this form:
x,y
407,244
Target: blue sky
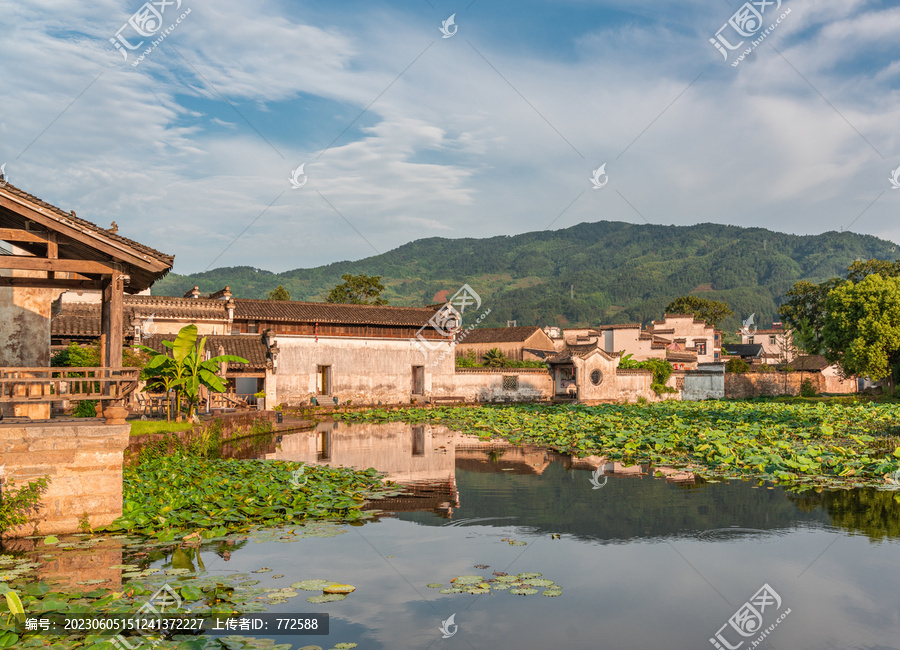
x,y
404,134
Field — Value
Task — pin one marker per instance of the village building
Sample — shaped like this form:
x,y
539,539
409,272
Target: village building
x,y
828,377
516,343
689,334
777,343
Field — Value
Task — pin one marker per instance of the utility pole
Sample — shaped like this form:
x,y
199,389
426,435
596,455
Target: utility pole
x,y
571,292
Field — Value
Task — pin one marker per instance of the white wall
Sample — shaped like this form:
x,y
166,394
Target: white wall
x,y
362,370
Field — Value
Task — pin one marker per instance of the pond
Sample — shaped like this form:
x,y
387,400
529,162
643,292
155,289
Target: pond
x,y
564,553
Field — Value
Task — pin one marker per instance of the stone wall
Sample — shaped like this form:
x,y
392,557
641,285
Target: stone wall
x,y
486,384
84,464
633,383
769,384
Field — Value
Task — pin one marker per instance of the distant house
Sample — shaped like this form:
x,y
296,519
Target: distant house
x,y
517,343
750,352
690,334
831,382
777,343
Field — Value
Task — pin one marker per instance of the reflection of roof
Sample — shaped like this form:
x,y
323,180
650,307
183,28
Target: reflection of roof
x,y
743,350
249,347
323,312
500,334
811,362
102,240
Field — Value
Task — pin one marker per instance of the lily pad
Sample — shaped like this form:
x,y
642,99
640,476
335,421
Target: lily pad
x,y
467,580
506,578
451,590
327,598
529,576
537,582
552,592
339,589
434,585
312,585
51,540
523,591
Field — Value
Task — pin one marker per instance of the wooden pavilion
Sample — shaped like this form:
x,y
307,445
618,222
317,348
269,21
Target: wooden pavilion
x,y
52,250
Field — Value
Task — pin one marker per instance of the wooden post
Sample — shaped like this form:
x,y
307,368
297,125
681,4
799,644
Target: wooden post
x,y
104,321
116,324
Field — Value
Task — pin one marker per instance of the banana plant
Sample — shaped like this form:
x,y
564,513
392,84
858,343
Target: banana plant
x,y
186,370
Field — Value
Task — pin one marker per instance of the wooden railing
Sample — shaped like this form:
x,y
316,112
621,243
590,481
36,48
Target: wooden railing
x,y
74,384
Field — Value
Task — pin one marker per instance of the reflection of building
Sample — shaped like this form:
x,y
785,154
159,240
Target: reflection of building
x,y
420,457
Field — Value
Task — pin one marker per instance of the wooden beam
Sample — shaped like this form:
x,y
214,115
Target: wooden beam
x,y
26,263
12,234
76,231
51,283
116,315
52,251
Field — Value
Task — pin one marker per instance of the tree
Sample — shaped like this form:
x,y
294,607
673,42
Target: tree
x,y
711,311
861,328
279,293
494,358
804,312
359,289
186,370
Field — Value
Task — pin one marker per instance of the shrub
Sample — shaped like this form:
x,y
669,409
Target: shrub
x,y
765,367
16,504
468,361
662,370
85,409
737,365
807,389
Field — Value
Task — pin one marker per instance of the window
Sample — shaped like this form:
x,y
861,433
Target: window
x,y
701,348
750,341
251,327
596,377
510,382
772,339
418,440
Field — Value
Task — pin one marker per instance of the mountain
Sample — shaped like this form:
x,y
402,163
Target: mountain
x,y
592,273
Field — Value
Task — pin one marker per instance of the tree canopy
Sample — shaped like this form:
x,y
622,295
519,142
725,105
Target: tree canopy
x,y
359,289
861,326
711,311
279,293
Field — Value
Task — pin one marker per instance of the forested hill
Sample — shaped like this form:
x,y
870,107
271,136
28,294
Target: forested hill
x,y
592,273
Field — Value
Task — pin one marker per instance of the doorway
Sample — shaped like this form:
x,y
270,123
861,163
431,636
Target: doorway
x,y
418,380
323,380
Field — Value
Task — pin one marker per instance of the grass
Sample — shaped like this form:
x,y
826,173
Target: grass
x,y
141,427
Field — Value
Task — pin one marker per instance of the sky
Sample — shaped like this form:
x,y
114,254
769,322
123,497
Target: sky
x,y
507,118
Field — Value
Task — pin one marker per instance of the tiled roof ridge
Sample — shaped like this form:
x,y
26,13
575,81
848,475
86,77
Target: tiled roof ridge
x,y
70,216
327,304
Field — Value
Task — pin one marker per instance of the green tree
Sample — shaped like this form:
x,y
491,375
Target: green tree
x,y
359,289
710,311
737,365
804,313
279,293
494,358
861,327
186,370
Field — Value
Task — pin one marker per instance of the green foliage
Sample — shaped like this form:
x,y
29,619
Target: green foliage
x,y
180,492
470,360
142,427
737,365
77,356
261,426
85,409
627,361
16,505
814,443
710,311
807,389
494,358
662,370
861,327
279,293
765,367
186,370
621,272
359,290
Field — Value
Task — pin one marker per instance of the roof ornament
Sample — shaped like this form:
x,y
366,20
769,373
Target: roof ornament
x,y
113,228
